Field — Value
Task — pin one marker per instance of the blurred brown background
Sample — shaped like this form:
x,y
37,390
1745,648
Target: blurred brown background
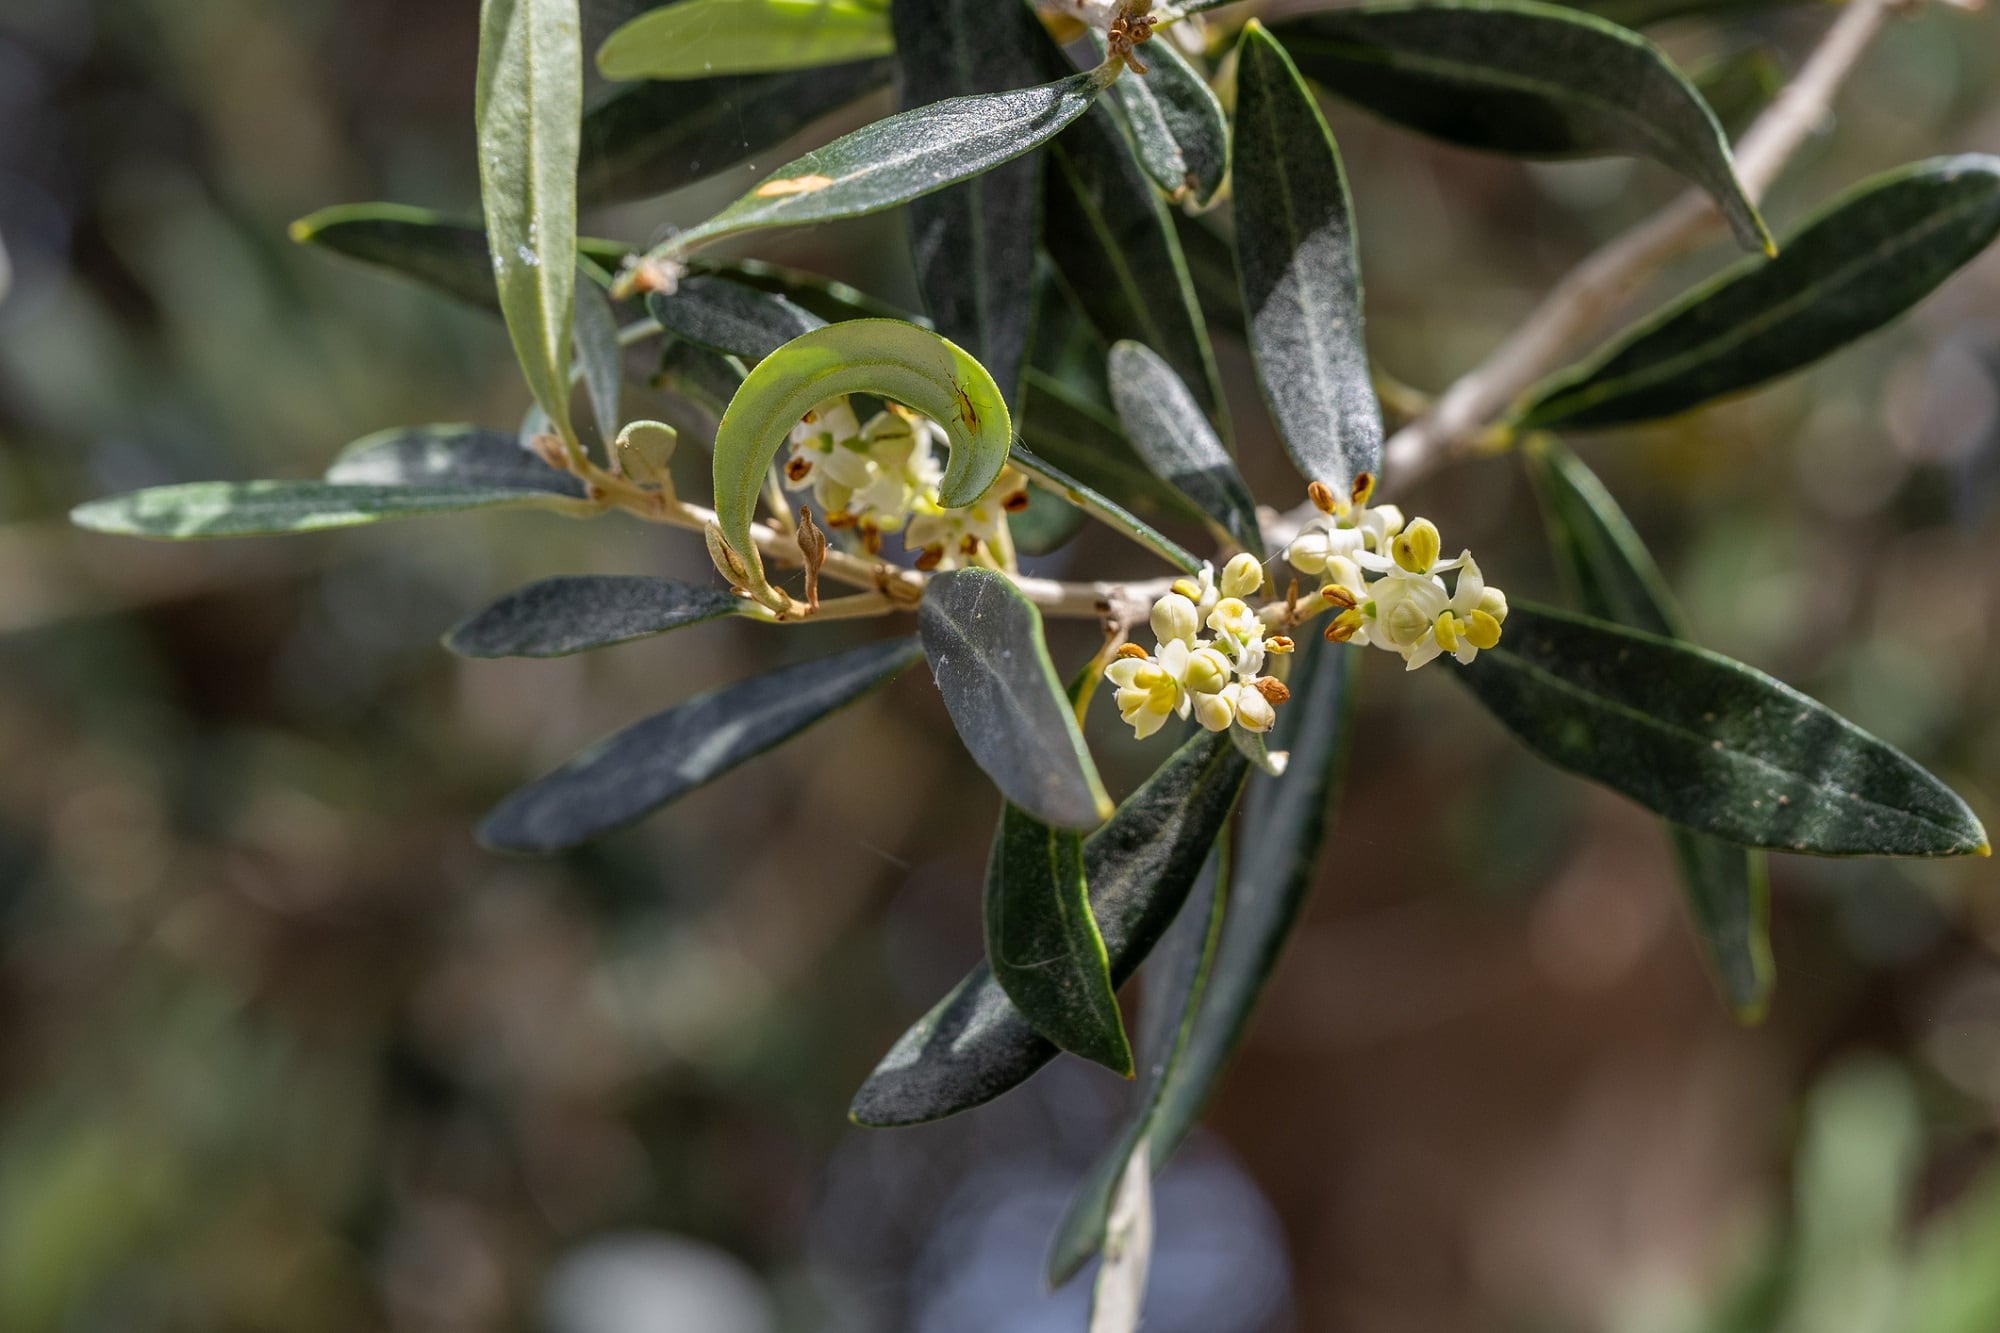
x,y
281,1049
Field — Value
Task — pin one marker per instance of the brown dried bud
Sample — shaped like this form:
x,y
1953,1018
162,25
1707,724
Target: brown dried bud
x,y
812,545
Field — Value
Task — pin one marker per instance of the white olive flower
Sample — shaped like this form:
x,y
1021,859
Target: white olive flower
x,y
1151,688
1233,619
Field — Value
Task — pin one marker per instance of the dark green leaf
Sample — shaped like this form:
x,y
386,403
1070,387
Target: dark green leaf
x,y
1085,441
471,457
528,105
263,508
1211,264
1285,821
1178,130
903,157
1729,896
1603,562
1167,428
1711,743
668,755
689,39
1613,578
1105,510
828,298
559,616
974,244
648,138
1042,942
1113,239
724,317
1301,283
1861,262
1047,523
444,253
707,379
974,1045
1515,76
1174,980
1644,13
599,355
984,641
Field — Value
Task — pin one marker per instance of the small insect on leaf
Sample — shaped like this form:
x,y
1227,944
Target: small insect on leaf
x,y
784,185
968,415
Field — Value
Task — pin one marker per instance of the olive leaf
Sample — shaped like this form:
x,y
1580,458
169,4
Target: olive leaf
x,y
1612,576
1113,239
1179,132
985,646
974,1044
1862,261
1711,743
974,244
691,39
528,105
1516,76
900,158
572,614
1045,523
1105,510
1168,430
884,357
648,138
469,457
264,508
1738,85
726,317
599,355
1285,822
1068,431
643,767
1173,982
1301,283
444,253
1042,943
829,298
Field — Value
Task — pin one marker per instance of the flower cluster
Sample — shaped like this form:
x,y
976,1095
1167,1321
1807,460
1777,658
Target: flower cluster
x,y
1216,676
1385,580
883,477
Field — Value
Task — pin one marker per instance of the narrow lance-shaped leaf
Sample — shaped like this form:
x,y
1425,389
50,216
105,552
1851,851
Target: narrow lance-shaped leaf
x,y
264,508
829,298
572,614
1861,262
1043,944
691,39
1739,85
974,244
1046,522
1285,821
528,104
1516,76
1112,237
1613,578
984,641
884,357
974,1045
1086,442
648,138
1711,743
725,317
669,754
1645,13
1178,127
1167,428
600,356
1174,981
1301,284
470,457
444,253
901,158
1105,510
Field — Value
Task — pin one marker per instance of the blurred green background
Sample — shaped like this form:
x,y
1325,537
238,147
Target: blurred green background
x,y
281,1049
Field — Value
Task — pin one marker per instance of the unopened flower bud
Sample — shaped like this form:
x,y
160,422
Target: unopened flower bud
x,y
1207,671
1174,617
1494,603
1253,711
1215,711
1242,576
1407,623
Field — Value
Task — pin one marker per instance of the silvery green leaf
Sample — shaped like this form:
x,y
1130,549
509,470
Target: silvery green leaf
x,y
726,317
444,253
572,614
1167,428
694,39
1105,510
1178,129
985,645
643,767
599,355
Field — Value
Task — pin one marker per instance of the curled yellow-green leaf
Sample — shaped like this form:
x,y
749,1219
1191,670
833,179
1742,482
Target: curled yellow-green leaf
x,y
884,357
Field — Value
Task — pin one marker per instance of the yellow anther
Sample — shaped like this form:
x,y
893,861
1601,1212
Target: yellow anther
x,y
1344,626
1364,486
1447,632
1187,588
1336,594
1271,688
1278,643
1132,650
1416,547
1321,496
1481,629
